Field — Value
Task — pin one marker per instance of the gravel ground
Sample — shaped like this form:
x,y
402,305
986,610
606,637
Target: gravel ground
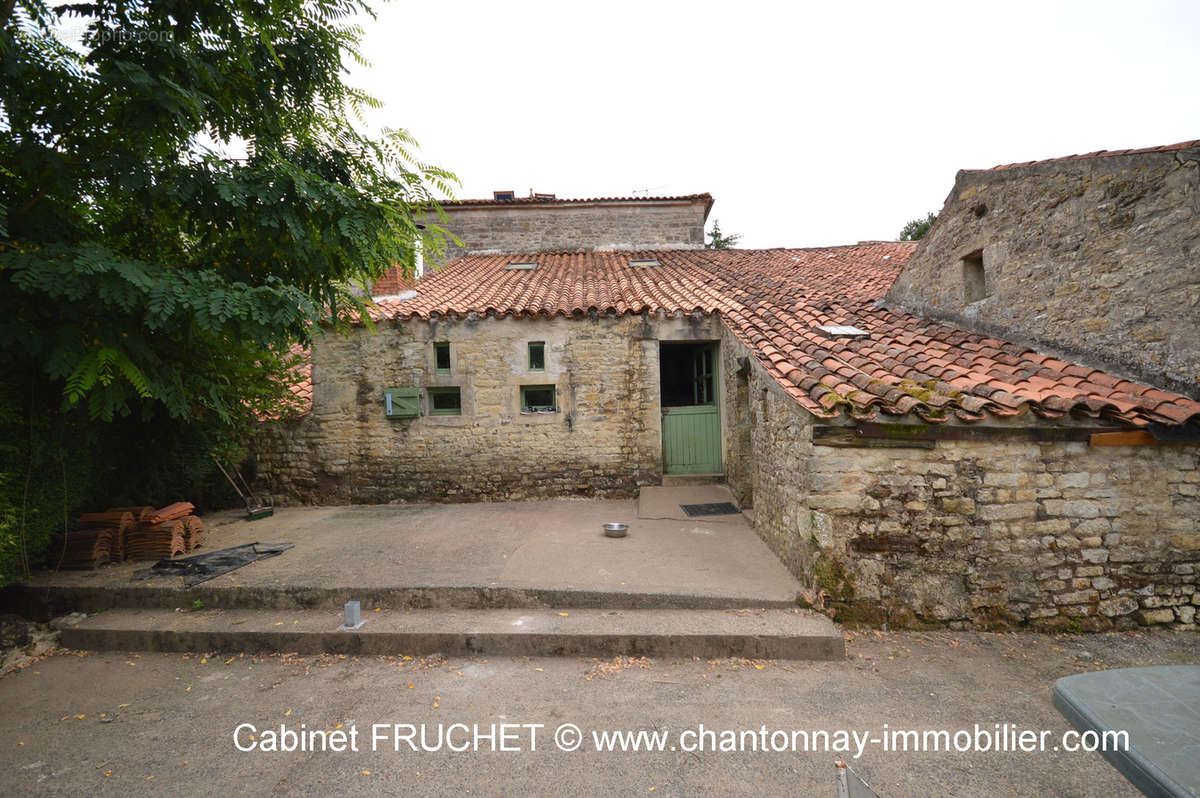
x,y
122,724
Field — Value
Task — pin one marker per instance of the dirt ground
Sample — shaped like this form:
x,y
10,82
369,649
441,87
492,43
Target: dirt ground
x,y
122,724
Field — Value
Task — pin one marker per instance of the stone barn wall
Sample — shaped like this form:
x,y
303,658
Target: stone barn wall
x,y
974,534
1097,259
522,226
605,439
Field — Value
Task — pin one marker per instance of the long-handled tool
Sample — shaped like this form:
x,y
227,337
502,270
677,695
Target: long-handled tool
x,y
256,506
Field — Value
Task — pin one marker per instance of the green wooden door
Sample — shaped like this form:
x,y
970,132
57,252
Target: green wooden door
x,y
692,433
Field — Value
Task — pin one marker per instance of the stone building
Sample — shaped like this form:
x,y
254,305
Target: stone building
x,y
543,222
911,470
1096,257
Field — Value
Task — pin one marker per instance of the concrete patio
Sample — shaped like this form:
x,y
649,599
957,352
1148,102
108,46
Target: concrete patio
x,y
549,548
534,578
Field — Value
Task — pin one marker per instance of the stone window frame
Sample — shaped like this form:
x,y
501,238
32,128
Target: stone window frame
x,y
435,391
438,348
540,348
538,409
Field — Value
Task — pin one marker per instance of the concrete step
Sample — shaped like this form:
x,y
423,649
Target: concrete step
x,y
766,634
47,602
678,480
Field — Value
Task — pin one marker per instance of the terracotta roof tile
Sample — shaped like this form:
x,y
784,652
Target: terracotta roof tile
x,y
772,299
1183,145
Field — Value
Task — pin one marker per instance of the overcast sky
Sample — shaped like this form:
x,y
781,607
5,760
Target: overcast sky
x,y
810,124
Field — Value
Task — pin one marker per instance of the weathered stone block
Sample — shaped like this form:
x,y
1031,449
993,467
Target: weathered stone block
x,y
1007,512
1076,597
1077,508
958,505
1149,617
1186,542
1120,605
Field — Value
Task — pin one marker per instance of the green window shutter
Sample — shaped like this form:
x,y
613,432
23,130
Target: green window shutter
x,y
402,402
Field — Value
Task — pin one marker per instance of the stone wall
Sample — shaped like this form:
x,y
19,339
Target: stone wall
x,y
767,462
1096,258
605,439
968,534
976,534
583,224
1057,535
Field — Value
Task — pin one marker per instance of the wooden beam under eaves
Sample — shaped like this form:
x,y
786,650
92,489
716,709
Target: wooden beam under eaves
x,y
1138,437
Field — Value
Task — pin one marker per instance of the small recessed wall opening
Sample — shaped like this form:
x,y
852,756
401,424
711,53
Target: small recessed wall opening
x,y
441,357
974,279
445,401
539,399
537,355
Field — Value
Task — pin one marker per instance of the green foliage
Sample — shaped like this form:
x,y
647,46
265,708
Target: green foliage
x,y
917,228
153,290
718,241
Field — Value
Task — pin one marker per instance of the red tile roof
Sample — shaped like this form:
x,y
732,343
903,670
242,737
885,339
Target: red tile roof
x,y
1183,145
302,388
394,282
773,300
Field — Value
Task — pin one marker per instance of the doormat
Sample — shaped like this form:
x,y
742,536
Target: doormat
x,y
718,508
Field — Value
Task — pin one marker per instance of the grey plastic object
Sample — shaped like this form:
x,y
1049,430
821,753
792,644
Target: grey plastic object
x,y
1160,709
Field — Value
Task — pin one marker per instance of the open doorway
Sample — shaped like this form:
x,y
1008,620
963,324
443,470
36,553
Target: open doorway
x,y
691,421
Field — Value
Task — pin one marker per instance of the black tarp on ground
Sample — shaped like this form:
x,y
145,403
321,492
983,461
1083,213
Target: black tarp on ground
x,y
202,567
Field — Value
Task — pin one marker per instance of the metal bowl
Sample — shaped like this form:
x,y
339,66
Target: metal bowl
x,y
616,530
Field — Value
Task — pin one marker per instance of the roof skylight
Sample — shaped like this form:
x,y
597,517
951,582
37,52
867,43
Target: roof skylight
x,y
842,331
648,263
521,266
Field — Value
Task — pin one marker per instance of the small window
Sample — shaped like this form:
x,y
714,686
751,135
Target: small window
x,y
445,401
537,355
521,266
974,279
441,358
538,399
504,196
649,263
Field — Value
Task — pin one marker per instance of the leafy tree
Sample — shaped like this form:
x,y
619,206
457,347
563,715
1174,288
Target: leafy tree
x,y
917,228
152,290
718,241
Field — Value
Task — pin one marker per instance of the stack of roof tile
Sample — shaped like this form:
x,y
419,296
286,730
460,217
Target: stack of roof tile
x,y
160,541
142,515
164,533
88,547
131,533
172,512
193,531
107,532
